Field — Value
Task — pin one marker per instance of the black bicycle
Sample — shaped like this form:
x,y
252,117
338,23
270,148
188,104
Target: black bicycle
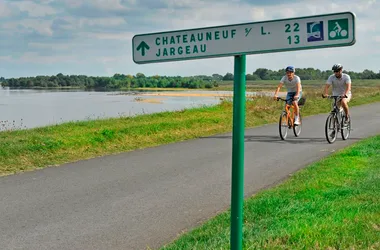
x,y
335,122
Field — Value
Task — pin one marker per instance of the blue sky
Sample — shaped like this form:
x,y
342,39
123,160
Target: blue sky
x,y
93,37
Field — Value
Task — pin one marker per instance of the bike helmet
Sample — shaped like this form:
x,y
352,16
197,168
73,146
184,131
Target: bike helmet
x,y
337,67
290,68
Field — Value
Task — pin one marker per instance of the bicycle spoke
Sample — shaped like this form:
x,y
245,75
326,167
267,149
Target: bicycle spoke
x,y
331,128
283,126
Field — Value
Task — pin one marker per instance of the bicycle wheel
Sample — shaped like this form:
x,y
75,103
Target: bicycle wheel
x,y
297,128
331,128
283,126
345,129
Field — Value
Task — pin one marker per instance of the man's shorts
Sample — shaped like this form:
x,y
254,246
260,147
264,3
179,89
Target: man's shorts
x,y
291,95
348,99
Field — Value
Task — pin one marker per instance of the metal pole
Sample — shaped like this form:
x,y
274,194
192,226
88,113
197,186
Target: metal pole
x,y
237,191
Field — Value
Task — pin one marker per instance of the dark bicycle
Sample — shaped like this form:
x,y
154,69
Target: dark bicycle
x,y
335,122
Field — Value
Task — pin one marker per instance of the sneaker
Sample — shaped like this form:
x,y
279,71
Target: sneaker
x,y
297,121
346,119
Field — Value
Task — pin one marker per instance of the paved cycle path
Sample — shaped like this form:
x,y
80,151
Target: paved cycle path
x,y
145,198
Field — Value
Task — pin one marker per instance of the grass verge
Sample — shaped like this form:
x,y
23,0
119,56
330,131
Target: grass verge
x,y
332,204
25,150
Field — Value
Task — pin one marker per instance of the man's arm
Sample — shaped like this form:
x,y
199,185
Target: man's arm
x,y
328,83
277,89
325,92
348,85
348,88
298,89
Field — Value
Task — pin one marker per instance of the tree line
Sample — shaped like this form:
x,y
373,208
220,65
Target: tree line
x,y
118,81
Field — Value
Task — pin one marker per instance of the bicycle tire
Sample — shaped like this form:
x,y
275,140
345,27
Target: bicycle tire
x,y
283,130
331,119
298,128
347,129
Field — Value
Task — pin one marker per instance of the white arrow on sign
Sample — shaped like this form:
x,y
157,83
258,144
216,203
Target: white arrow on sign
x,y
311,32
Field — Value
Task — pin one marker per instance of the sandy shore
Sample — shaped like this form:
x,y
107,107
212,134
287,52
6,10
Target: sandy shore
x,y
187,94
151,100
211,94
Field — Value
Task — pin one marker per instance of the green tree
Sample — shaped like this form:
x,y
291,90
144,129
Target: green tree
x,y
228,77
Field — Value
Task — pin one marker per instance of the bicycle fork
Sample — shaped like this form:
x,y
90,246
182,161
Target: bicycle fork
x,y
288,121
334,123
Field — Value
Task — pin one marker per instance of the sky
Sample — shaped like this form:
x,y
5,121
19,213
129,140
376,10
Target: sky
x,y
94,37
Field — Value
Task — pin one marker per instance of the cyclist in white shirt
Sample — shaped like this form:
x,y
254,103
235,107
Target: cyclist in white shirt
x,y
293,84
341,86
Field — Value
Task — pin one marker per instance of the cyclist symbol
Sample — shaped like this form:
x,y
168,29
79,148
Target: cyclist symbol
x,y
338,31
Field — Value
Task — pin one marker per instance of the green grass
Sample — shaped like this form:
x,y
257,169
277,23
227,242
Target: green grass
x,y
332,204
26,150
274,83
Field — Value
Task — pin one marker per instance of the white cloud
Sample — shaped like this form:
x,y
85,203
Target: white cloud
x,y
123,36
97,34
204,15
43,27
183,3
108,5
102,22
99,4
258,14
35,10
73,3
108,59
5,58
5,11
44,46
34,57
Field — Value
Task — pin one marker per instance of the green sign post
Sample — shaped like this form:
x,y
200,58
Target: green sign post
x,y
237,191
239,40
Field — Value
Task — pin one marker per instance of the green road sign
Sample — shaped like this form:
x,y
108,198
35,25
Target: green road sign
x,y
311,32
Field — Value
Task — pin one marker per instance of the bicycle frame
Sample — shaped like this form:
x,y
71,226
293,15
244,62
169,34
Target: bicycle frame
x,y
334,122
287,119
289,110
337,112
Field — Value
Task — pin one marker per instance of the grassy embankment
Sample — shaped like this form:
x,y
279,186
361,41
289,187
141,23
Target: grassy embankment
x,y
26,150
331,204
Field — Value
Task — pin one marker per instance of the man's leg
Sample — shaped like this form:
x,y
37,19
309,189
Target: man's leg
x,y
295,103
296,112
344,103
296,109
289,96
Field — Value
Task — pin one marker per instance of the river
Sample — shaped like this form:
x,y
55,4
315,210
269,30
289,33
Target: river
x,y
27,108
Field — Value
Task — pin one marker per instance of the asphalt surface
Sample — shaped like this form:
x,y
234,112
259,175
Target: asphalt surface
x,y
145,198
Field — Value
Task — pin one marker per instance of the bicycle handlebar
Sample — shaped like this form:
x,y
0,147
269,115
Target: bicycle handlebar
x,y
334,96
285,100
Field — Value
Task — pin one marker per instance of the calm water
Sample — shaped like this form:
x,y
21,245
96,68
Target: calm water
x,y
35,108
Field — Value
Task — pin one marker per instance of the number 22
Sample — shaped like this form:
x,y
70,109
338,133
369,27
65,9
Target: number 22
x,y
296,27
